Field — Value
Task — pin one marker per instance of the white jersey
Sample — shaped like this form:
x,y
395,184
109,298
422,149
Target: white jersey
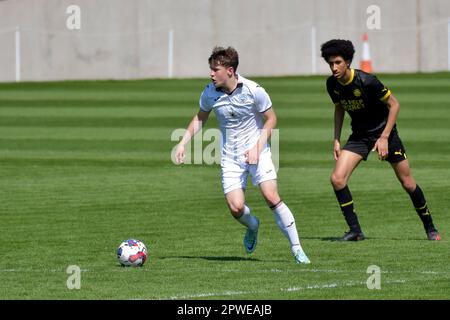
x,y
239,115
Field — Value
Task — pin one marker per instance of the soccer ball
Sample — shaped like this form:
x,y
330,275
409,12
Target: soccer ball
x,y
132,252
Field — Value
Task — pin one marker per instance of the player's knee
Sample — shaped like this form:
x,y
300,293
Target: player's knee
x,y
272,199
408,184
338,181
236,209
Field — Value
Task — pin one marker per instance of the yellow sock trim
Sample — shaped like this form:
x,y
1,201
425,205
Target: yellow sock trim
x,y
346,204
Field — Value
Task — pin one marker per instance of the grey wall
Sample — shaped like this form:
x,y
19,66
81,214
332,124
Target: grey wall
x,y
125,39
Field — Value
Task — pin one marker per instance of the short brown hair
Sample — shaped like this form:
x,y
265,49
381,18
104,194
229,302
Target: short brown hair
x,y
225,57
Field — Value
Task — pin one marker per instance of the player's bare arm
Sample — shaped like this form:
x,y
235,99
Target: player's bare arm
x,y
339,114
270,123
194,126
382,143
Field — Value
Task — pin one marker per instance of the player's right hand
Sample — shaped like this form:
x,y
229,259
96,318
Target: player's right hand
x,y
336,149
179,153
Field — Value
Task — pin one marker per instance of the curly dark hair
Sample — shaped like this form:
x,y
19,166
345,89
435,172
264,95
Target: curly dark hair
x,y
225,57
338,47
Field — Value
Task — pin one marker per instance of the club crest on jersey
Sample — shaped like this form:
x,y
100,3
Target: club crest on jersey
x,y
243,98
357,93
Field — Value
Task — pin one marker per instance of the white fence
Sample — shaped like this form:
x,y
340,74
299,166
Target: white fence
x,y
162,39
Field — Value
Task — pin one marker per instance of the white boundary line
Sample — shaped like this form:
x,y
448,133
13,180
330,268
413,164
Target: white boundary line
x,y
332,285
230,270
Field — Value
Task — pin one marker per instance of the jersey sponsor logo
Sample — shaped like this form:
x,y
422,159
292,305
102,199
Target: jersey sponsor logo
x,y
357,93
352,105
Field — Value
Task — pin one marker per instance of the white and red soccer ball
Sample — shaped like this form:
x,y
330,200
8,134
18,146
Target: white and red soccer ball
x,y
132,252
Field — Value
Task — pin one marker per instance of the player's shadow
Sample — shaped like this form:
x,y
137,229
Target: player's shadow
x,y
330,239
218,258
398,238
339,239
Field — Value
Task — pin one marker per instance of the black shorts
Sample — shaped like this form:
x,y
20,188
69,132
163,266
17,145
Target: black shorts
x,y
362,145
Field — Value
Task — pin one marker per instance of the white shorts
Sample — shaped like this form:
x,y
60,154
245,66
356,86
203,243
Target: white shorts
x,y
235,173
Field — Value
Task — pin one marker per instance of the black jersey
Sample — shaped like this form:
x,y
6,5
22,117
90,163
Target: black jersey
x,y
364,98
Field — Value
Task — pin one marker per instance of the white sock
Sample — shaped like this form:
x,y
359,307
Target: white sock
x,y
248,220
286,222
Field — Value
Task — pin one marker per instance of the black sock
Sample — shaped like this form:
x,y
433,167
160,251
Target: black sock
x,y
345,200
420,204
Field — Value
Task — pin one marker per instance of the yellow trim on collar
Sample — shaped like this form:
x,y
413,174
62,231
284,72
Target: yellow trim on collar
x,y
352,76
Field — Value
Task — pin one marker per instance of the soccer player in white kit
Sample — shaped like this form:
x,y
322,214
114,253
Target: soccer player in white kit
x,y
246,119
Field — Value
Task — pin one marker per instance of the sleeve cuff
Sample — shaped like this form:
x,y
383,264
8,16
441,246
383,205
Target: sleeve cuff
x,y
384,98
267,109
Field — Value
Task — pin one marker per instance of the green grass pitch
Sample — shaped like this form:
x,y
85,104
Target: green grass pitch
x,y
86,165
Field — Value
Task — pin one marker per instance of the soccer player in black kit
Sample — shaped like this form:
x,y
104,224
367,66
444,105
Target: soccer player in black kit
x,y
373,110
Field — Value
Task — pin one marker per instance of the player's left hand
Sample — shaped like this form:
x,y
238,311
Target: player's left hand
x,y
382,147
252,155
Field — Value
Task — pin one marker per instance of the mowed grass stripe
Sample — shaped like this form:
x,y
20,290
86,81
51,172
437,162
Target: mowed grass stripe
x,y
179,122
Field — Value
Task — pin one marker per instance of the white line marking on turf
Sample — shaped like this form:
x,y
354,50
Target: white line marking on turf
x,y
189,270
323,270
211,294
290,289
38,270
